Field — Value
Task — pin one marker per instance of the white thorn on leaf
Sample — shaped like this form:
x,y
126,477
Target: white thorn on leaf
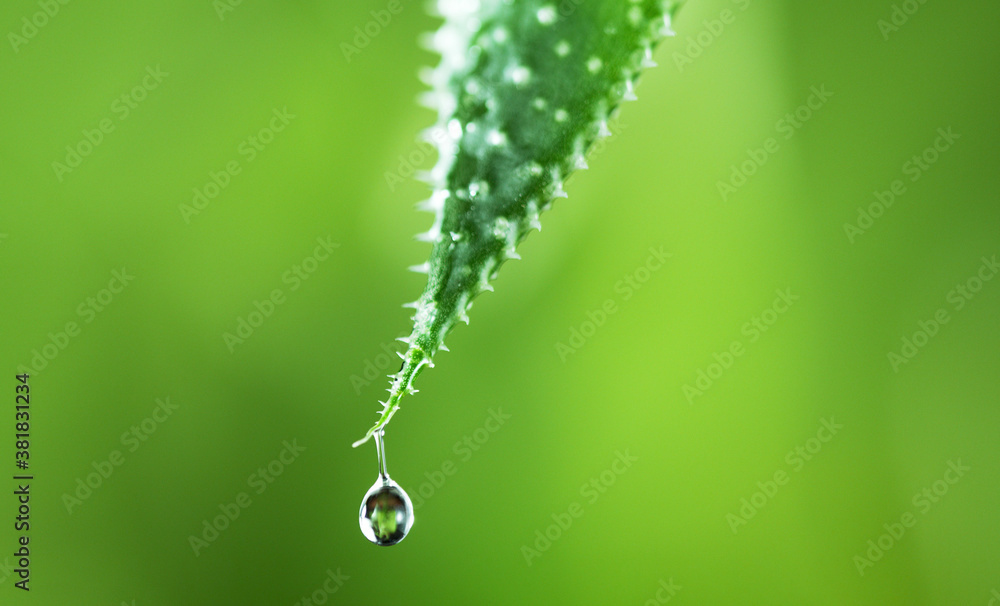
x,y
435,203
666,29
425,176
426,75
629,92
429,99
647,58
432,235
426,41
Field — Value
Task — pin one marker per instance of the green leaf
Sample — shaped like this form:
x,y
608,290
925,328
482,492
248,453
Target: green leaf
x,y
523,90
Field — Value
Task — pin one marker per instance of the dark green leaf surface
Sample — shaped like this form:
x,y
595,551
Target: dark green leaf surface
x,y
523,90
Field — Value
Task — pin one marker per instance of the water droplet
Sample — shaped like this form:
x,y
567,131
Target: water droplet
x,y
473,87
546,15
386,512
519,74
478,189
635,16
500,34
495,137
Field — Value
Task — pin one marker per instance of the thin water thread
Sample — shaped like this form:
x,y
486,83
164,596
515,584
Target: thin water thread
x,y
383,471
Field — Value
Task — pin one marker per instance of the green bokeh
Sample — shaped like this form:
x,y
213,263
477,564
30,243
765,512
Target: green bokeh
x,y
655,184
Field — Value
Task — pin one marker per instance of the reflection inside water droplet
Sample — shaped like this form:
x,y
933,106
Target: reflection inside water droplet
x,y
386,511
386,514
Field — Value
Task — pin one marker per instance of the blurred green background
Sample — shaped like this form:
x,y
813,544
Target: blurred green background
x,y
676,514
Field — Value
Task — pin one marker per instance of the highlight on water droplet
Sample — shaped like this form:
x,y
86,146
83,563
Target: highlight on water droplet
x,y
386,512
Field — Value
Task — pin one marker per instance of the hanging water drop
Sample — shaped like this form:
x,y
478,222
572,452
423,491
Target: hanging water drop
x,y
386,511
